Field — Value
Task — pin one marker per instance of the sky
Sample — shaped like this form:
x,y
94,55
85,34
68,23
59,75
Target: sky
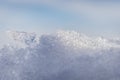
x,y
94,17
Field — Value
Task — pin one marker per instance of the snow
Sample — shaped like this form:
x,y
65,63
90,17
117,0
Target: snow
x,y
24,37
63,55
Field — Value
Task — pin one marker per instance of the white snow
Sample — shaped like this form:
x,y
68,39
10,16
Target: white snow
x,y
64,55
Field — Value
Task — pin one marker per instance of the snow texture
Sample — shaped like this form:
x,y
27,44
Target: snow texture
x,y
64,55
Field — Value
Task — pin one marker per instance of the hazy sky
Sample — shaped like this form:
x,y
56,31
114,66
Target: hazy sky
x,y
98,17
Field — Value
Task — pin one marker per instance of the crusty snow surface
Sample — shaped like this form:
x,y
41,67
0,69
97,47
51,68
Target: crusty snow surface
x,y
63,55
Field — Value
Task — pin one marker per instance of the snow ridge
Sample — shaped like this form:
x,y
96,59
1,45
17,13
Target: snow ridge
x,y
67,38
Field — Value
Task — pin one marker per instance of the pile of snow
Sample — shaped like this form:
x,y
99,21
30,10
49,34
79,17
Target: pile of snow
x,y
64,55
24,37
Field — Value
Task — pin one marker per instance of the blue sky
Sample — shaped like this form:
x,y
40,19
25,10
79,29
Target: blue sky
x,y
95,17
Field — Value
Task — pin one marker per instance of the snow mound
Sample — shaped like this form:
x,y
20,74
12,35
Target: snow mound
x,y
24,37
77,40
64,55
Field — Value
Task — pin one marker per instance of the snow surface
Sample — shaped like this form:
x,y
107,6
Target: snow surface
x,y
64,55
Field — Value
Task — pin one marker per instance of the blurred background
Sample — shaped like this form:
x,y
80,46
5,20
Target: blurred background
x,y
92,17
